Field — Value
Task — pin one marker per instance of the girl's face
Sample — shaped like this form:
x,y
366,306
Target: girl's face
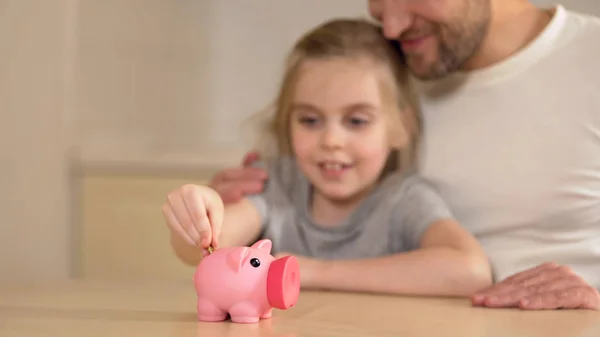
x,y
340,131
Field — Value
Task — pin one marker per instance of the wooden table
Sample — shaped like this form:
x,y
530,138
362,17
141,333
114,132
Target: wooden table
x,y
83,308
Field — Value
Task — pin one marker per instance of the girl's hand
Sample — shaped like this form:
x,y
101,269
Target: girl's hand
x,y
196,214
310,270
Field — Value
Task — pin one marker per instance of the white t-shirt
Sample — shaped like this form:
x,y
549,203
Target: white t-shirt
x,y
515,150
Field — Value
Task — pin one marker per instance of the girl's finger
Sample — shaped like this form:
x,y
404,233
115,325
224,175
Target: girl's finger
x,y
215,210
174,224
195,204
181,213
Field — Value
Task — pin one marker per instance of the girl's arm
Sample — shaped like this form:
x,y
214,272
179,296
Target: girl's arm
x,y
450,262
241,226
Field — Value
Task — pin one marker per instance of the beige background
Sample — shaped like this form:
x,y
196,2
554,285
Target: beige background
x,y
106,105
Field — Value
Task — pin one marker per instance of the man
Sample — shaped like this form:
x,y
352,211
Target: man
x,y
511,118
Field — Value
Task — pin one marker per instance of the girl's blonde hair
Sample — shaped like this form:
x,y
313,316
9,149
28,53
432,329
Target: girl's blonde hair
x,y
343,38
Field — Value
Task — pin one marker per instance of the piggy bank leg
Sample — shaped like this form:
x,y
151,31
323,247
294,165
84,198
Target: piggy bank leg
x,y
267,314
245,312
208,312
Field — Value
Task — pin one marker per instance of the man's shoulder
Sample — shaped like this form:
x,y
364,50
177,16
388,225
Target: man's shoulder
x,y
582,16
578,48
582,25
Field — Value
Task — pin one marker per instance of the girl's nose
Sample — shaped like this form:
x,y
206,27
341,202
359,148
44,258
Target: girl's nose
x,y
332,138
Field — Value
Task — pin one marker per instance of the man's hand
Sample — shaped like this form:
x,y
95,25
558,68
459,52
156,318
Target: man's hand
x,y
547,286
233,183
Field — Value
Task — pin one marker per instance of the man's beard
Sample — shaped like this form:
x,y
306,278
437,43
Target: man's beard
x,y
457,42
455,46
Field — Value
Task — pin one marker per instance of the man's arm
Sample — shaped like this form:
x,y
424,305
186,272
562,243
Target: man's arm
x,y
449,263
233,184
242,224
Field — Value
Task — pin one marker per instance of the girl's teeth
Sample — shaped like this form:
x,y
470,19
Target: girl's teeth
x,y
333,166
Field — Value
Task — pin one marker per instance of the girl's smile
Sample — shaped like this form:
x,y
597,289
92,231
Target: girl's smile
x,y
334,170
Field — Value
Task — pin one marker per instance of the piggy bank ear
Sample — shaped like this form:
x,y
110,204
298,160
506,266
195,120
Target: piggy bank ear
x,y
236,258
264,245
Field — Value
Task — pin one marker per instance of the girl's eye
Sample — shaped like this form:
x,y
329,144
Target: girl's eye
x,y
308,120
357,121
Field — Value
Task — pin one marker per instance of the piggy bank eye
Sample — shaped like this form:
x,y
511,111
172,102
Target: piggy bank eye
x,y
254,262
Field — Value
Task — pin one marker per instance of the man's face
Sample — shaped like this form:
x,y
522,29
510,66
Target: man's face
x,y
437,36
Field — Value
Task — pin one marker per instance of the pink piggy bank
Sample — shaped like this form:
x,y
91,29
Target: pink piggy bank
x,y
246,283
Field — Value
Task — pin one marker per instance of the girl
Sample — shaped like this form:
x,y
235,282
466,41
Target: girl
x,y
339,195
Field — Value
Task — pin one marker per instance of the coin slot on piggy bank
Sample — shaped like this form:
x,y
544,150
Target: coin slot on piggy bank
x,y
245,283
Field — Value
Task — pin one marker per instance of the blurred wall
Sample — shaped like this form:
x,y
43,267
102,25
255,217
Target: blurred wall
x,y
113,86
171,81
36,51
584,6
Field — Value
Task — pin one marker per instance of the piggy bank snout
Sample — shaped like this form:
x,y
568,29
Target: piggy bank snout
x,y
283,282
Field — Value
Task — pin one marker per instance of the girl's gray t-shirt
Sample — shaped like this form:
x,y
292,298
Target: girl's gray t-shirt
x,y
390,220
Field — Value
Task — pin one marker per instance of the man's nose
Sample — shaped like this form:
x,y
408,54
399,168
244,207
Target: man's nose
x,y
396,19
